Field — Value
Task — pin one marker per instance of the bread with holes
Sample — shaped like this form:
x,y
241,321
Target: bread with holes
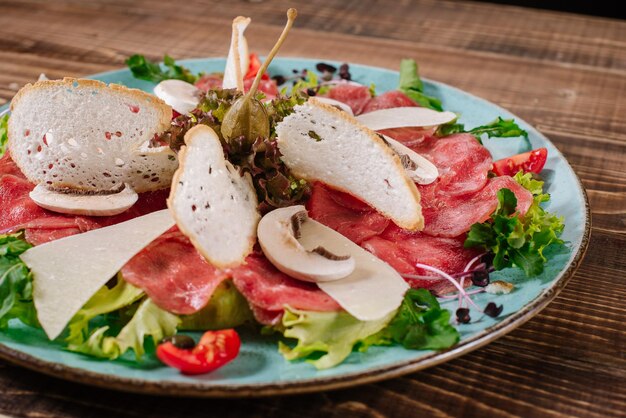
x,y
88,136
213,204
321,143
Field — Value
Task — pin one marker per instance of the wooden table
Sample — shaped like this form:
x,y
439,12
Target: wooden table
x,y
565,74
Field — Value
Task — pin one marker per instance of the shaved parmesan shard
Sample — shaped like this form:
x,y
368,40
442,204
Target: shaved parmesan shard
x,y
67,272
213,204
372,291
401,117
238,58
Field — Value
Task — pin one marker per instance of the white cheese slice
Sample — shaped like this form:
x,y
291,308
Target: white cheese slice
x,y
372,291
403,117
67,272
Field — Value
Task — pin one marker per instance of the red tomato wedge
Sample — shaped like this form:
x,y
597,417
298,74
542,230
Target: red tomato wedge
x,y
253,68
529,162
215,349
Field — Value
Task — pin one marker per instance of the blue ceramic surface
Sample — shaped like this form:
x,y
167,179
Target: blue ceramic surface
x,y
260,369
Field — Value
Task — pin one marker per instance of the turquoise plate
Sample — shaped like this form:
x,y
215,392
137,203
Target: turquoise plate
x,y
260,370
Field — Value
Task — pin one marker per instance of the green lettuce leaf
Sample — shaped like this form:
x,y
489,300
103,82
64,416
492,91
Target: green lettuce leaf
x,y
332,335
421,324
411,84
144,69
4,133
227,308
16,288
104,301
148,321
515,240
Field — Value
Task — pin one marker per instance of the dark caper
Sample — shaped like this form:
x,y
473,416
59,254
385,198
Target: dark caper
x,y
184,342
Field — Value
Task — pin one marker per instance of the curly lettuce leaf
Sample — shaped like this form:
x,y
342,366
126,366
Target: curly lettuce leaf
x,y
4,133
149,321
411,84
144,69
227,308
515,240
104,301
332,335
16,288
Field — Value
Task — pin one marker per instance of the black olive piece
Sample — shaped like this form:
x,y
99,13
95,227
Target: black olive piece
x,y
311,92
463,316
279,79
344,72
480,278
322,67
493,310
184,342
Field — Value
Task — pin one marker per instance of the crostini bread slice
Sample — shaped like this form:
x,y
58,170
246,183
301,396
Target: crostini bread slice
x,y
213,204
321,143
88,136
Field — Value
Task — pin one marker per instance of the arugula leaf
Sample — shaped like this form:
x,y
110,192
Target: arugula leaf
x,y
411,84
4,133
144,69
16,291
421,324
514,240
499,128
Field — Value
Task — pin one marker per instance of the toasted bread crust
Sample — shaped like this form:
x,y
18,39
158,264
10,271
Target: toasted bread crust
x,y
417,223
163,111
189,138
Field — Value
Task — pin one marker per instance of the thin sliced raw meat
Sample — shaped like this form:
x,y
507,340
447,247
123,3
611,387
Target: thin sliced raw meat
x,y
210,82
7,166
453,216
389,100
402,251
173,274
267,288
268,87
345,214
414,138
266,317
357,97
462,161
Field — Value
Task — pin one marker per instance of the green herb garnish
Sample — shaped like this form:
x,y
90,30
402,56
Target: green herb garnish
x,y
16,288
144,69
514,240
499,128
4,133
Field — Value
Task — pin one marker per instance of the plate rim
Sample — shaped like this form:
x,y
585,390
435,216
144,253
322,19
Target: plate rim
x,y
383,372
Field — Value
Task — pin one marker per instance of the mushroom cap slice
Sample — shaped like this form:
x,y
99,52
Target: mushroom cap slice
x,y
278,233
84,204
418,168
182,96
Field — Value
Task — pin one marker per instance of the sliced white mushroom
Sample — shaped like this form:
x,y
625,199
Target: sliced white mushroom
x,y
278,234
84,204
335,103
402,117
182,96
238,58
419,169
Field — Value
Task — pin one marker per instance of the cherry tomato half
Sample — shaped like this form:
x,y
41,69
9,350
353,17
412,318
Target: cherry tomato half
x,y
529,162
215,349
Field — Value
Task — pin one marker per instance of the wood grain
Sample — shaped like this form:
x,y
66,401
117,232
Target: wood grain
x,y
565,74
